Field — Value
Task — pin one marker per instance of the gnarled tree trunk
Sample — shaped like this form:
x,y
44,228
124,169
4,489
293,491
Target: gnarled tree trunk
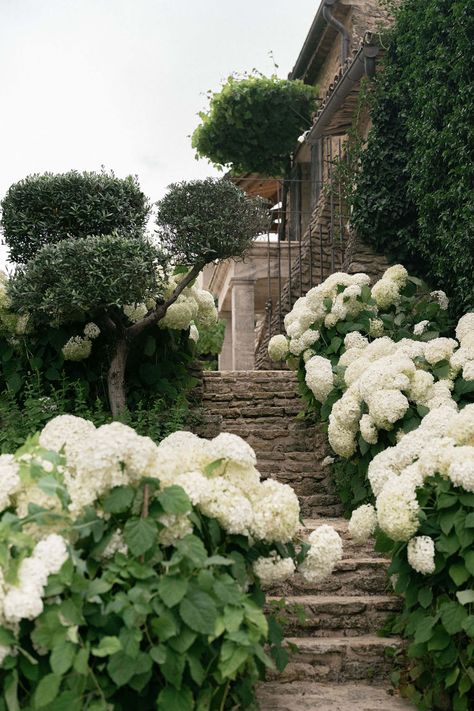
x,y
116,378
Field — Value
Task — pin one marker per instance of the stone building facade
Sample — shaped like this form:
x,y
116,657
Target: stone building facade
x,y
341,49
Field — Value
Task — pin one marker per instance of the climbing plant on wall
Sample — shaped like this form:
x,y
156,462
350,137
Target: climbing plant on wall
x,y
415,194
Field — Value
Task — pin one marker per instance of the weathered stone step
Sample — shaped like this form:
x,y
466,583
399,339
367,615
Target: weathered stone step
x,y
351,576
333,615
319,505
339,659
314,696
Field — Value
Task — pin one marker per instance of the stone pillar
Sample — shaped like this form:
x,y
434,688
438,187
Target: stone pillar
x,y
243,324
225,356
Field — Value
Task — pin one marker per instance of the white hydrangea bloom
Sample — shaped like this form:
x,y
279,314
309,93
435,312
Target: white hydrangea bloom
x,y
441,298
276,512
226,503
319,377
468,370
65,431
273,569
115,545
278,348
355,339
306,340
376,327
175,528
421,554
386,292
396,273
91,330
135,312
461,467
9,479
439,349
24,600
362,524
233,448
368,429
465,326
387,407
325,552
195,484
77,348
420,327
180,314
398,509
461,426
342,441
193,333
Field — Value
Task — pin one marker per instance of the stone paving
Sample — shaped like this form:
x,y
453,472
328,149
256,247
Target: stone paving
x,y
341,662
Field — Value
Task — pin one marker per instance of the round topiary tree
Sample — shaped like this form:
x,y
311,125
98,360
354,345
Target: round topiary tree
x,y
124,284
44,209
253,123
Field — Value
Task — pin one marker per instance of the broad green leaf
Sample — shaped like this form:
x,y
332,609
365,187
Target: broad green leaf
x,y
175,500
158,654
458,573
465,596
107,646
165,626
469,561
424,630
199,611
213,467
121,668
119,500
81,662
172,589
10,689
183,641
231,659
452,616
140,534
173,667
425,597
62,658
173,699
46,691
468,625
192,547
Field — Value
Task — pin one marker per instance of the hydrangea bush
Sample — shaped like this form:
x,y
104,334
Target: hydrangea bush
x,y
372,361
133,572
395,384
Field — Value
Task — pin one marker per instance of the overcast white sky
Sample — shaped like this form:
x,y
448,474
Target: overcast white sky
x,y
119,83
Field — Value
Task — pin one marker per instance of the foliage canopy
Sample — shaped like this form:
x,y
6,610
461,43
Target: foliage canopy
x,y
415,194
43,209
253,123
203,220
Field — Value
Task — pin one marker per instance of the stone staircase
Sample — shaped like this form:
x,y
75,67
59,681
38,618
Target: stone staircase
x,y
340,662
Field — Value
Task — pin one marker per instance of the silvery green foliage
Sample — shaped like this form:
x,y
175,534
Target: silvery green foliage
x,y
85,277
203,220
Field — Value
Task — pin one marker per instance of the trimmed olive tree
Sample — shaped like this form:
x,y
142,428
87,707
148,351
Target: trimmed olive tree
x,y
44,209
94,278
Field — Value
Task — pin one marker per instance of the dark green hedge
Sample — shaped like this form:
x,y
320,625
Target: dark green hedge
x,y
415,197
44,209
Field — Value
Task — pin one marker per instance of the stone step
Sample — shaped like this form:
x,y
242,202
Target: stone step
x,y
320,505
333,615
351,576
339,658
314,696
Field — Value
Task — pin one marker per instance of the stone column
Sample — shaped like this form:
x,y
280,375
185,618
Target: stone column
x,y
225,356
243,324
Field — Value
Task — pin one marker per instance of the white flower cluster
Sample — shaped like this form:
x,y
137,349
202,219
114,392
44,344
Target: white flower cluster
x,y
443,444
91,330
77,348
278,347
382,379
135,312
193,333
334,300
362,524
273,569
421,554
325,551
193,305
9,479
464,356
386,291
219,475
24,600
319,377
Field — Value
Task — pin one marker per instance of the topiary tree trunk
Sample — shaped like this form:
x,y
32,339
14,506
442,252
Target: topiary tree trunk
x,y
125,336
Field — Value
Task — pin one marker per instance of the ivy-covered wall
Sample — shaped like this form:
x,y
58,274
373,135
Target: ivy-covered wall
x,y
415,195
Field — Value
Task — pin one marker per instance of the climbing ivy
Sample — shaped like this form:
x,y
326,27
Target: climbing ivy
x,y
415,196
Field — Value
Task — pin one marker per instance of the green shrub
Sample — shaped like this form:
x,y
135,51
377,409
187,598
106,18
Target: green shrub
x,y
253,123
44,209
414,199
203,220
